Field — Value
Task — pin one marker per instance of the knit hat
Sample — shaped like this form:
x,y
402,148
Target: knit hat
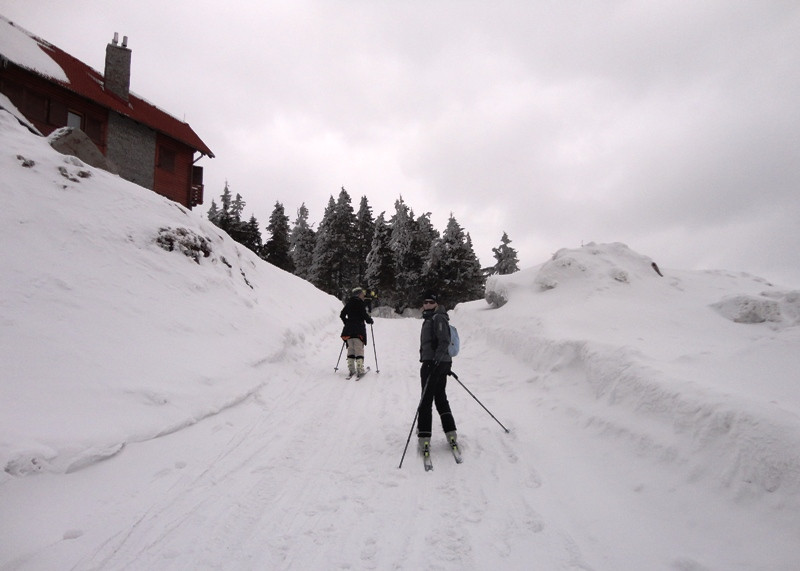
x,y
431,295
357,291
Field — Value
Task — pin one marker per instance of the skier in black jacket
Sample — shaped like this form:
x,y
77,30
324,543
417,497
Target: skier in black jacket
x,y
354,315
436,362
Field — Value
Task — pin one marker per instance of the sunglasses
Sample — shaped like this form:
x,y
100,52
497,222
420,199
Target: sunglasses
x,y
428,302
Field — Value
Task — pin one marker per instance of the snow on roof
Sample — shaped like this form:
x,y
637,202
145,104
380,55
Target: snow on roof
x,y
23,48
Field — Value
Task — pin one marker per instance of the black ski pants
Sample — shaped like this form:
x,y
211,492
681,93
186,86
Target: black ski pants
x,y
434,375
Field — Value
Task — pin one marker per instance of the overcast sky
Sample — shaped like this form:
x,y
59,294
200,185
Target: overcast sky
x,y
670,126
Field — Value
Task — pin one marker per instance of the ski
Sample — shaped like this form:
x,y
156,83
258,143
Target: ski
x,y
426,458
356,375
456,452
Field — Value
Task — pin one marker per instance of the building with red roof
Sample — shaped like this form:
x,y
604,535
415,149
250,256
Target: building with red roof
x,y
147,145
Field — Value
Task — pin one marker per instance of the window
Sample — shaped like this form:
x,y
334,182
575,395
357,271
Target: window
x,y
74,119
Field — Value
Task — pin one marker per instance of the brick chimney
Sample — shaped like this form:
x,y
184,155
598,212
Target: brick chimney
x,y
118,67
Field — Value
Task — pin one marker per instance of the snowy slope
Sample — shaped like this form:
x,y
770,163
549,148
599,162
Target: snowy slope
x,y
159,411
95,302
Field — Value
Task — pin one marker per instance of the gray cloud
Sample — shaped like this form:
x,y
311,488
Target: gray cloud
x,y
670,126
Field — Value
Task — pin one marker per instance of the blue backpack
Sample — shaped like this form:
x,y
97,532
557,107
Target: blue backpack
x,y
455,342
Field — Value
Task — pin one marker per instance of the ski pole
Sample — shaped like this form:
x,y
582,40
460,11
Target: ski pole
x,y
452,374
336,368
409,439
427,382
374,349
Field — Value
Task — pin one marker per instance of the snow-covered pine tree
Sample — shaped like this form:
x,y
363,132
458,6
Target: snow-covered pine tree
x,y
425,236
362,240
426,233
225,198
333,268
276,248
506,256
228,218
213,213
453,268
221,217
236,228
475,283
301,243
409,256
251,235
322,268
237,208
426,239
344,229
324,262
380,273
434,273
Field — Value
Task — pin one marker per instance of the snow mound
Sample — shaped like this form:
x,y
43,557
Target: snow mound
x,y
647,363
777,308
600,265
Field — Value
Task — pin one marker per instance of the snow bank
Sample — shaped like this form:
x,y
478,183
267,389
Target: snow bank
x,y
142,259
683,374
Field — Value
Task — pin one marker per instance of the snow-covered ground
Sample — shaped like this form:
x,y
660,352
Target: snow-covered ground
x,y
180,410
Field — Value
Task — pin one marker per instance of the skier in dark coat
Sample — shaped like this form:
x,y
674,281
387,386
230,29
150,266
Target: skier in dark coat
x,y
436,362
354,315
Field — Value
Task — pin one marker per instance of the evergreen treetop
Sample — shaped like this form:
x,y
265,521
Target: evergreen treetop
x,y
506,257
276,249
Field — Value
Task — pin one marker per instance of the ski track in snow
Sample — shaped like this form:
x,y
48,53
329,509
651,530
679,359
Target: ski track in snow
x,y
258,487
267,494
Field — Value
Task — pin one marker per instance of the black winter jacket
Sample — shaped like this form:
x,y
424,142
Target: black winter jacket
x,y
354,315
434,338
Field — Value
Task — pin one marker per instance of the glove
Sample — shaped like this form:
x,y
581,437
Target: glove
x,y
369,320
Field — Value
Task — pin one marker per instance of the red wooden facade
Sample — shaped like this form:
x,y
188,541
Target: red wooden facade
x,y
173,173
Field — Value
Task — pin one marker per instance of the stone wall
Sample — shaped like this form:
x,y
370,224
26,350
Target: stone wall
x,y
132,147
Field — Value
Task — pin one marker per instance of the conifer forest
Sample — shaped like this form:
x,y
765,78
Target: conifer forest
x,y
394,258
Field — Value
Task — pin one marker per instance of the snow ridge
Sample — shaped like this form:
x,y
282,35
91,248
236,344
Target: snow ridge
x,y
626,389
